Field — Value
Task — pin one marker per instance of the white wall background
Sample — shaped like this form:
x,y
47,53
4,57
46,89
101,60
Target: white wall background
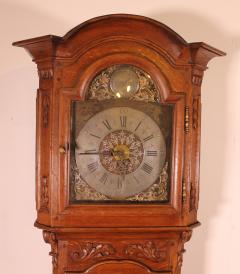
x,y
214,248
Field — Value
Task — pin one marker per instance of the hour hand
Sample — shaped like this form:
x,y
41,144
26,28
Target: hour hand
x,y
86,152
94,152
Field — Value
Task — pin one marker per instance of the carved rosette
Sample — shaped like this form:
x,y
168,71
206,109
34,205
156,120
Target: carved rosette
x,y
148,250
100,87
50,238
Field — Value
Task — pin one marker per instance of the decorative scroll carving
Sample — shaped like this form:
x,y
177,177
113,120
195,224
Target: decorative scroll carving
x,y
44,198
185,237
157,192
45,109
195,113
186,120
45,74
86,251
148,251
50,238
100,87
179,260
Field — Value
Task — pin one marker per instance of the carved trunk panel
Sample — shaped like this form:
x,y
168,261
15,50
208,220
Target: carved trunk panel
x,y
158,252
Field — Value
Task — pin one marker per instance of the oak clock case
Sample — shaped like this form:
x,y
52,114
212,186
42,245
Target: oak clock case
x,y
118,144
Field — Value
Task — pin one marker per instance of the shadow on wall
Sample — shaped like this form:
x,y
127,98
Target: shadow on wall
x,y
215,115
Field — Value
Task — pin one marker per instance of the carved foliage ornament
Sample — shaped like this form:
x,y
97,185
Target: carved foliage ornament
x,y
80,252
148,250
89,250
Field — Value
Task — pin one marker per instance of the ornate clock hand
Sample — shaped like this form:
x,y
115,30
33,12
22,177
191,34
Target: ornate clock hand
x,y
95,153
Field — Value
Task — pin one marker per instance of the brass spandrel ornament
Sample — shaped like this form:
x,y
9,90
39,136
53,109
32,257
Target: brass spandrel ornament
x,y
123,81
157,192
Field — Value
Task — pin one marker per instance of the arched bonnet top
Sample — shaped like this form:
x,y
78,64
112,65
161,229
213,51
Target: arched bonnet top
x,y
133,28
116,28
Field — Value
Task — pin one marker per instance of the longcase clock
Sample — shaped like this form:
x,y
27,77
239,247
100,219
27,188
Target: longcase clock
x,y
118,136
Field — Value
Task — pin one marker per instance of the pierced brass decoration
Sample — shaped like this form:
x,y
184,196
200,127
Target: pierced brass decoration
x,y
157,192
82,190
121,141
100,87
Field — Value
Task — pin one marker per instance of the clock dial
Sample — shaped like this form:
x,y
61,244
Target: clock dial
x,y
120,152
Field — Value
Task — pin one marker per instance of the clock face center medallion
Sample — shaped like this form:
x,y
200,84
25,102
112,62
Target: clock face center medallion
x,y
121,152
